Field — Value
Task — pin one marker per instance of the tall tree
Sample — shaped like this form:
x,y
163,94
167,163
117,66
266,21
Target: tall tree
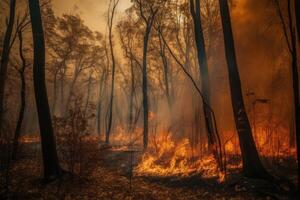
x,y
289,32
5,58
52,169
297,12
252,165
147,11
22,95
195,9
114,4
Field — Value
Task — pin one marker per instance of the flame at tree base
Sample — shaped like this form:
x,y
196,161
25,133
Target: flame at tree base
x,y
165,157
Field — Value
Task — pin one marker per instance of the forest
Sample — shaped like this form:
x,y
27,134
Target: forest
x,y
149,99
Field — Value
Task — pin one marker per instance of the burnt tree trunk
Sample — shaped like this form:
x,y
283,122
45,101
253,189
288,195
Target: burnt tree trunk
x,y
110,115
23,98
297,12
252,165
204,77
51,165
295,77
131,100
99,110
145,87
5,58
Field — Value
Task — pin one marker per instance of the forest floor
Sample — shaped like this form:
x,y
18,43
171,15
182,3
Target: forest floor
x,y
107,176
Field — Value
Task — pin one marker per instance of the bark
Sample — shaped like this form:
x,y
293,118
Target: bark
x,y
295,78
51,165
212,134
110,116
149,23
5,58
100,102
252,165
22,100
145,88
132,92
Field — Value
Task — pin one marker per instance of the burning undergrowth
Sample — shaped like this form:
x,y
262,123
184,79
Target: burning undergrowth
x,y
166,156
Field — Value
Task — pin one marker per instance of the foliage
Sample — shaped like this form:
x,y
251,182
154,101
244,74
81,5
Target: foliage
x,y
71,132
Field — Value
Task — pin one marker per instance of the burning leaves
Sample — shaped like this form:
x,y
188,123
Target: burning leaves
x,y
167,157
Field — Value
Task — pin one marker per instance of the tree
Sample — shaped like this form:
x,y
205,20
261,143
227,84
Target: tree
x,y
113,65
252,166
128,34
289,32
147,11
212,133
5,58
52,169
21,72
297,12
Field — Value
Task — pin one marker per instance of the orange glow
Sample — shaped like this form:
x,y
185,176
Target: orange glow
x,y
166,157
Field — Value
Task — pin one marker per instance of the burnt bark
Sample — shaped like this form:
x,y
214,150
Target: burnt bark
x,y
297,12
52,169
5,58
132,93
295,77
145,88
110,115
252,166
149,23
212,134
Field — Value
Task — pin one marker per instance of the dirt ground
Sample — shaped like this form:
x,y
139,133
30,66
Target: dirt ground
x,y
108,177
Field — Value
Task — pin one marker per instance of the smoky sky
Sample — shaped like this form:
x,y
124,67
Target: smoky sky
x,y
93,12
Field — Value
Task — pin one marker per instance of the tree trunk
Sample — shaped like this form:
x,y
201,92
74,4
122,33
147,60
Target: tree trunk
x,y
145,87
297,12
110,116
295,78
131,101
23,98
100,103
52,168
204,77
5,59
252,165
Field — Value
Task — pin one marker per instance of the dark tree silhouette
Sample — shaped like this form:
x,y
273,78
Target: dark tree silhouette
x,y
113,65
148,20
212,133
52,168
22,95
252,165
297,12
289,32
5,58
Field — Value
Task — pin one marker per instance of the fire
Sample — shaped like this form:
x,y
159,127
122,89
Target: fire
x,y
166,157
269,144
30,139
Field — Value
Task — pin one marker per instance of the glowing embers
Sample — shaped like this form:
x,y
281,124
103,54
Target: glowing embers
x,y
167,157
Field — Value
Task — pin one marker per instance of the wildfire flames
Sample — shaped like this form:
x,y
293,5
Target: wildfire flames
x,y
166,157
